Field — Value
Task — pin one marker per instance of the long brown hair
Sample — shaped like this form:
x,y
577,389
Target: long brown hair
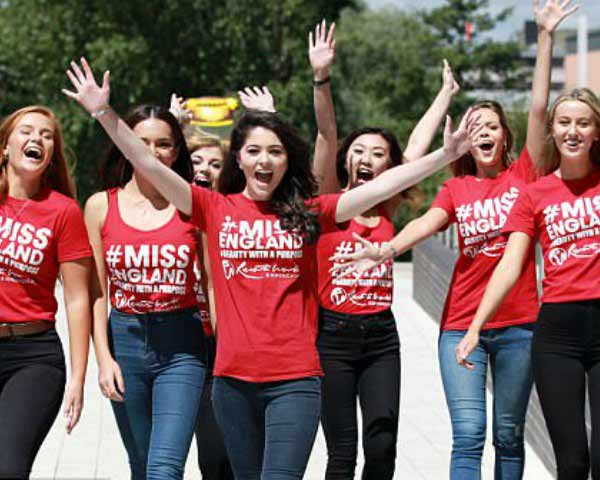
x,y
57,175
466,165
551,157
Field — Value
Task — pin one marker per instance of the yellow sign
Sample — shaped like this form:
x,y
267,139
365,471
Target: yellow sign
x,y
212,111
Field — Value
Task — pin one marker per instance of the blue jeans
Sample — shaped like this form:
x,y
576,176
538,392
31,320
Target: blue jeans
x,y
268,428
508,351
160,356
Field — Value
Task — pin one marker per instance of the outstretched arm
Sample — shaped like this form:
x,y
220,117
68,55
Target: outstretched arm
x,y
321,52
397,179
95,100
422,135
547,19
504,278
371,255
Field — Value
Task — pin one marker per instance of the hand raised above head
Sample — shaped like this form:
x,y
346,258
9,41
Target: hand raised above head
x,y
321,48
88,93
178,108
460,142
448,81
255,98
553,13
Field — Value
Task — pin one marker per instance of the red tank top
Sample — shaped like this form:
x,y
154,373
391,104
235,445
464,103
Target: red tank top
x,y
149,270
374,291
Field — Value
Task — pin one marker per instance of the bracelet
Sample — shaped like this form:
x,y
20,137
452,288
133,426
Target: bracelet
x,y
99,113
318,83
391,249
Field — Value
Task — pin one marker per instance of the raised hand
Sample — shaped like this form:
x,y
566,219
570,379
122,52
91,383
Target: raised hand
x,y
465,347
87,93
179,111
553,13
448,82
360,262
457,143
321,49
253,98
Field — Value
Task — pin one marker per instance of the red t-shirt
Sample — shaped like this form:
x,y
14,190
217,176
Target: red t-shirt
x,y
564,215
265,281
202,301
36,236
149,270
374,291
480,208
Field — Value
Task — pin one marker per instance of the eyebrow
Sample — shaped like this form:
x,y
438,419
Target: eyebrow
x,y
44,129
363,146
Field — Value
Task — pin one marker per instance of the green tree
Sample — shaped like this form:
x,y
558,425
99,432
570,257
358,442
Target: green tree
x,y
153,48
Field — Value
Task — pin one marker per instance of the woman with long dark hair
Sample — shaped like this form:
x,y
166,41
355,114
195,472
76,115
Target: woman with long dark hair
x,y
358,340
42,236
150,347
261,229
486,184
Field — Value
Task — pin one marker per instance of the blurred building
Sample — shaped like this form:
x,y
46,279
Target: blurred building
x,y
593,61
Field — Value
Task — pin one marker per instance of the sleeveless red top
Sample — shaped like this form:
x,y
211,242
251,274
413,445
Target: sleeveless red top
x,y
149,270
374,291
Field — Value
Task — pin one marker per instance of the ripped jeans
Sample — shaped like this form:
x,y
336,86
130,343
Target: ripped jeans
x,y
508,351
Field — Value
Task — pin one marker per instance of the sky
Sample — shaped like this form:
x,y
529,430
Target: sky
x,y
522,10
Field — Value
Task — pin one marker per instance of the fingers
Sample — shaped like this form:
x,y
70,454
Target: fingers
x,y
257,91
323,30
448,126
77,71
74,80
330,35
364,241
461,354
69,93
106,79
120,385
88,71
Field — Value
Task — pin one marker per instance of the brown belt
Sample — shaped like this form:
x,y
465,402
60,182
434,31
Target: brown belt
x,y
26,328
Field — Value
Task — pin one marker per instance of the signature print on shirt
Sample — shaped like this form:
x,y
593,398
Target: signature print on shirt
x,y
259,249
570,225
481,221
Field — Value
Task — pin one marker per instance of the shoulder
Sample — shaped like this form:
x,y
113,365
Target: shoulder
x,y
96,207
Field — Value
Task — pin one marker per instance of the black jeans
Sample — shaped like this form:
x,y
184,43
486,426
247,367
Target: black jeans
x,y
32,383
360,355
566,350
212,456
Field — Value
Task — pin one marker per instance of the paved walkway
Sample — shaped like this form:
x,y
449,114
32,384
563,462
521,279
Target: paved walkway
x,y
94,450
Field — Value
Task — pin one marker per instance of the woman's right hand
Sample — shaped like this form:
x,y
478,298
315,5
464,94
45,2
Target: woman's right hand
x,y
552,14
88,93
360,262
321,49
110,379
465,348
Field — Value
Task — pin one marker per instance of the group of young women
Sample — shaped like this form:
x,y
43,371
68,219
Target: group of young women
x,y
289,262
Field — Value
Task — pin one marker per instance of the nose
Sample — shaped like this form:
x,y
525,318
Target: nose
x,y
572,129
154,150
35,135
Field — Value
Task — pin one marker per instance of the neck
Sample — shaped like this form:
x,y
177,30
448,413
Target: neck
x,y
574,168
20,187
489,171
254,196
139,185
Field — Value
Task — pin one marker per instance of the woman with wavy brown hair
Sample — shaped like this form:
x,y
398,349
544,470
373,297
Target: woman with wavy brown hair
x,y
42,236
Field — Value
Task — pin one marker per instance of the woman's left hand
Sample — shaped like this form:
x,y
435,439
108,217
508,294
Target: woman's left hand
x,y
465,347
253,98
73,404
457,143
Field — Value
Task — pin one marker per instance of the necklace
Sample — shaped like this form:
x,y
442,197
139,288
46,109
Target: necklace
x,y
8,271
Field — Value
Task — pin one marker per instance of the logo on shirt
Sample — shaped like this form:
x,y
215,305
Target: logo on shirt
x,y
481,221
571,228
259,249
22,249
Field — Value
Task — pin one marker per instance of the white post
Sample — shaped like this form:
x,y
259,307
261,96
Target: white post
x,y
582,50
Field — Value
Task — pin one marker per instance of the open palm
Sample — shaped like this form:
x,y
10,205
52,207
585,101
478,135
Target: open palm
x,y
554,12
87,92
457,143
321,47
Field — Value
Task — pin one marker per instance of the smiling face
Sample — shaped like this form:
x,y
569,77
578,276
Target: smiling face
x,y
574,129
30,146
207,163
263,159
490,141
367,157
157,134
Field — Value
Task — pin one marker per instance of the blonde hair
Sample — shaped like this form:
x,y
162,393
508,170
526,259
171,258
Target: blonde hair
x,y
57,175
551,157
